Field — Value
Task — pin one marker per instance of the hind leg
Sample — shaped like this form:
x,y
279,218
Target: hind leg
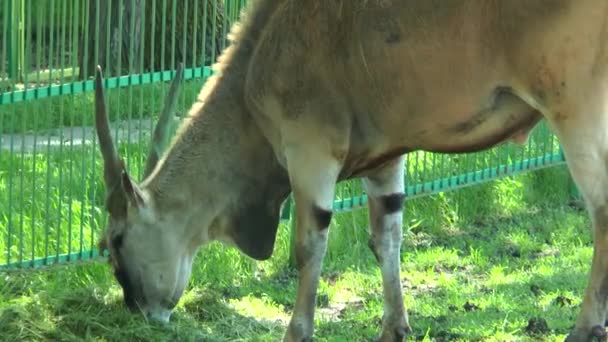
x,y
585,143
313,177
587,160
385,190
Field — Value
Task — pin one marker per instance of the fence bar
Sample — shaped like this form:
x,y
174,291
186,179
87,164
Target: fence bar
x,y
60,188
109,83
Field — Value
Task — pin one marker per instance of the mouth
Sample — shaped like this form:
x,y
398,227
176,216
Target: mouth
x,y
161,316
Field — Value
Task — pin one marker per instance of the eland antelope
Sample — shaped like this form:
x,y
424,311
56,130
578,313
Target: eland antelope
x,y
313,92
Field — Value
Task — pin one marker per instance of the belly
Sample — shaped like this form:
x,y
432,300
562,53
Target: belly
x,y
506,117
454,125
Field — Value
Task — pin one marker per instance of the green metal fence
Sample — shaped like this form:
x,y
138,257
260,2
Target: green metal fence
x,y
51,190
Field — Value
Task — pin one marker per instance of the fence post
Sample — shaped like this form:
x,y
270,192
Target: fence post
x,y
9,37
21,45
15,39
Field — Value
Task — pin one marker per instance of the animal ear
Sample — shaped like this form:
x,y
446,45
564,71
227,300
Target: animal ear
x,y
130,188
164,127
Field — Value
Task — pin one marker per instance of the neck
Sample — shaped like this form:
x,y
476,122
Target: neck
x,y
220,177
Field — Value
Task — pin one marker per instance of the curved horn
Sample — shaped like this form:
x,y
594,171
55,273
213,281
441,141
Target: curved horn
x,y
112,168
160,136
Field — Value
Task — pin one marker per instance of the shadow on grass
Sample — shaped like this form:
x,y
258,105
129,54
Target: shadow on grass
x,y
544,257
443,313
88,313
511,309
468,281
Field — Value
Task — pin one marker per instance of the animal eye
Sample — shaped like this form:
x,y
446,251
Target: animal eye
x,y
117,241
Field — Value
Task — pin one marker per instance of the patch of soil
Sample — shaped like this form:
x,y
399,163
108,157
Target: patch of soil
x,y
229,292
513,251
441,336
563,300
536,290
322,300
332,277
468,306
545,253
337,311
480,222
288,307
446,336
577,204
419,289
485,289
284,277
537,326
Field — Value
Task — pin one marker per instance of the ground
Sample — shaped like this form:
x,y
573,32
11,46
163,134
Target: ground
x,y
506,260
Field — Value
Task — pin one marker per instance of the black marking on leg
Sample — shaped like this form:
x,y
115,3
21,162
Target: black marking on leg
x,y
322,217
392,203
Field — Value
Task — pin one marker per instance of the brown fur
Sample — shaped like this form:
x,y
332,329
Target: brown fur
x,y
312,92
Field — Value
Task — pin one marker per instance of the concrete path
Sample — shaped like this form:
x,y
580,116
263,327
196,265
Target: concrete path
x,y
76,136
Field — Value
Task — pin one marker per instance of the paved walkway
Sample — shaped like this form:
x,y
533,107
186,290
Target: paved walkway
x,y
76,136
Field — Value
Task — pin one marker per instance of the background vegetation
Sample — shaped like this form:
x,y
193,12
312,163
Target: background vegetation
x,y
506,260
503,260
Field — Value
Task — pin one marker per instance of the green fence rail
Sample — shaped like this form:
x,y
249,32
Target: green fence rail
x,y
51,190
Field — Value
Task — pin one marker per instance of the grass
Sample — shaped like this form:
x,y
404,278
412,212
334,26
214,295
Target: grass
x,y
143,101
492,262
51,198
477,264
43,185
60,189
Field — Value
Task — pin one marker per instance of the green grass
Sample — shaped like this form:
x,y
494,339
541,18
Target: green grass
x,y
48,114
51,198
477,264
52,203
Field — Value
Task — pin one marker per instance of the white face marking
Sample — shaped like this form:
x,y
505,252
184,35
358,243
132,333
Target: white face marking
x,y
155,261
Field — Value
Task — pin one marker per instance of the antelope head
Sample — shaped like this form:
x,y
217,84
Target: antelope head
x,y
142,248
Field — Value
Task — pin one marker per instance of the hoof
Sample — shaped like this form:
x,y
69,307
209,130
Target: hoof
x,y
597,333
295,333
303,339
395,335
